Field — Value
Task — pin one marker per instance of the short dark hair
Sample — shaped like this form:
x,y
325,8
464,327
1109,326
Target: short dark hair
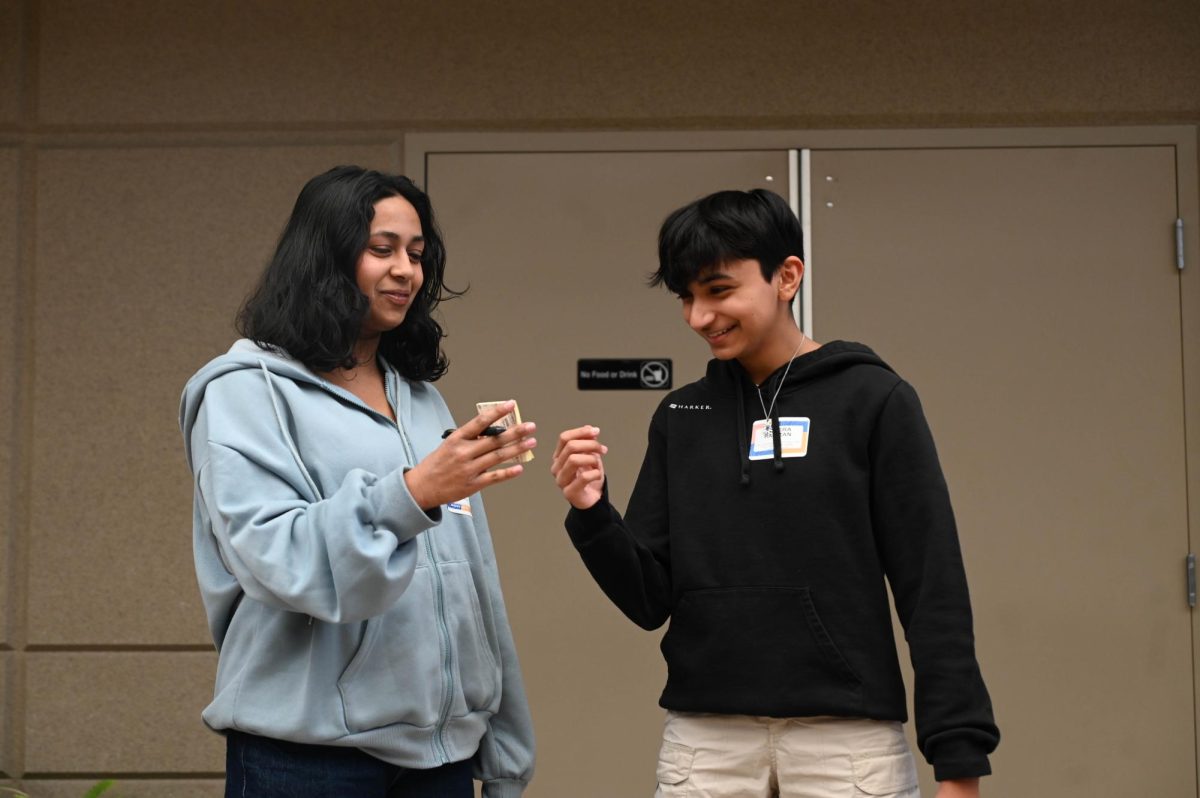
x,y
307,301
728,225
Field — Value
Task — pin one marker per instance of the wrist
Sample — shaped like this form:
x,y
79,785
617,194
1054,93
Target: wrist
x,y
582,503
416,489
958,788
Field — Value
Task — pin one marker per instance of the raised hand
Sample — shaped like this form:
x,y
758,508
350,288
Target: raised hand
x,y
578,466
459,467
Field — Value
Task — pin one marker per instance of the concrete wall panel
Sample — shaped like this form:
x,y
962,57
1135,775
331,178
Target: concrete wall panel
x,y
9,173
116,712
540,62
11,53
143,258
5,719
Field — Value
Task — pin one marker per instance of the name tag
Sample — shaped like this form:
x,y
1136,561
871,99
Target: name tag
x,y
461,508
793,438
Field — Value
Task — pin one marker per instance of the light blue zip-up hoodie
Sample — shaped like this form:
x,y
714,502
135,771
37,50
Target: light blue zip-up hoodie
x,y
344,614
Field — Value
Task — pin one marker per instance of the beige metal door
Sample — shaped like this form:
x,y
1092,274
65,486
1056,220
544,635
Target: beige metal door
x,y
1032,297
556,248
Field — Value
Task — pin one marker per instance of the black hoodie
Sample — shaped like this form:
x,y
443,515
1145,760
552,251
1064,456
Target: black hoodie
x,y
772,571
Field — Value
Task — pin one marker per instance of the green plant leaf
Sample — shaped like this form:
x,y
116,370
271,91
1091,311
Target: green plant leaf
x,y
98,788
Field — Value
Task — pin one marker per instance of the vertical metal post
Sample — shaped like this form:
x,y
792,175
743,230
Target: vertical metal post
x,y
1191,580
800,198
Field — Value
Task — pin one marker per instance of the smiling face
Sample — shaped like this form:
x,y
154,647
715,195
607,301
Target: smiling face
x,y
742,315
389,269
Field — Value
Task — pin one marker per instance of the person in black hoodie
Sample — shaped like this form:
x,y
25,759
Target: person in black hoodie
x,y
769,552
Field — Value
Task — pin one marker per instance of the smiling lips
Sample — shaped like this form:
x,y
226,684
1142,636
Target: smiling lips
x,y
713,337
397,297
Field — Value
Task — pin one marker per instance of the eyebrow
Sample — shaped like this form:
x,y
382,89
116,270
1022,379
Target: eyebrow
x,y
712,277
396,237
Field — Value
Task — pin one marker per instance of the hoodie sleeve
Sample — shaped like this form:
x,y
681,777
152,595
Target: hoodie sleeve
x,y
630,557
504,761
918,542
339,558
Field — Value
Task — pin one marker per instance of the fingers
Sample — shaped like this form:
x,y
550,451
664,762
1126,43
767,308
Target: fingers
x,y
570,467
500,475
513,434
573,447
579,433
509,451
585,478
587,485
577,464
475,427
475,444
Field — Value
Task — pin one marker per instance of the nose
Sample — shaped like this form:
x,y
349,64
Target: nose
x,y
696,314
401,266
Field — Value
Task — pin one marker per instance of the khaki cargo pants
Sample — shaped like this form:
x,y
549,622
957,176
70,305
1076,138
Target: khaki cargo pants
x,y
738,756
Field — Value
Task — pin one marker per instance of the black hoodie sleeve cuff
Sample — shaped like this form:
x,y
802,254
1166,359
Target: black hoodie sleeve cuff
x,y
960,759
584,525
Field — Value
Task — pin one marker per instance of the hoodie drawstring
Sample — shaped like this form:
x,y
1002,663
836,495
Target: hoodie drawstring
x,y
283,429
728,375
777,436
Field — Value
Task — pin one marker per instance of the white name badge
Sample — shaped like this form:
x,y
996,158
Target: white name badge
x,y
793,438
462,508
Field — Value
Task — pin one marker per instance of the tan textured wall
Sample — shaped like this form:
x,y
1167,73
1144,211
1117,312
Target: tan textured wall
x,y
5,767
10,63
547,63
148,252
106,711
9,169
149,153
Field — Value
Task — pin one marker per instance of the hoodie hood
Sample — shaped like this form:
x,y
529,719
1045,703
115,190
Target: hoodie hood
x,y
830,358
244,354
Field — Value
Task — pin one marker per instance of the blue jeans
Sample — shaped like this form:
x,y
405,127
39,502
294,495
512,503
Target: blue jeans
x,y
261,767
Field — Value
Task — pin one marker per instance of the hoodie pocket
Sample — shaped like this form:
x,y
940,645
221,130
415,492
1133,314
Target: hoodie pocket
x,y
765,648
478,672
402,670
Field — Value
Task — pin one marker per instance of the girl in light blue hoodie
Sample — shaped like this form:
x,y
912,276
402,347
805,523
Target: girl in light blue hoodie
x,y
340,543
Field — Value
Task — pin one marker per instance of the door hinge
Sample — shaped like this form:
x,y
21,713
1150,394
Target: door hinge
x,y
1191,580
1179,244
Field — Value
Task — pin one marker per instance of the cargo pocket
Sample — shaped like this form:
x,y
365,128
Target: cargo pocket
x,y
883,773
674,768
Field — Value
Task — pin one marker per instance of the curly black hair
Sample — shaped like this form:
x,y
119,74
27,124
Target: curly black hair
x,y
307,301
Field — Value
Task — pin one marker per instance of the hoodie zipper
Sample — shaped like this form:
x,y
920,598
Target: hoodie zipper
x,y
439,742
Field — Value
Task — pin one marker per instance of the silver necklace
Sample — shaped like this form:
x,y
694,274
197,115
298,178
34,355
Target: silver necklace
x,y
778,388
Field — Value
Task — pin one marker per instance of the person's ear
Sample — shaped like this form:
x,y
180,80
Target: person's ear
x,y
791,273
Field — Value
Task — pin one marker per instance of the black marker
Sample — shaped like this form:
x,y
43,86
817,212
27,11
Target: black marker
x,y
487,433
